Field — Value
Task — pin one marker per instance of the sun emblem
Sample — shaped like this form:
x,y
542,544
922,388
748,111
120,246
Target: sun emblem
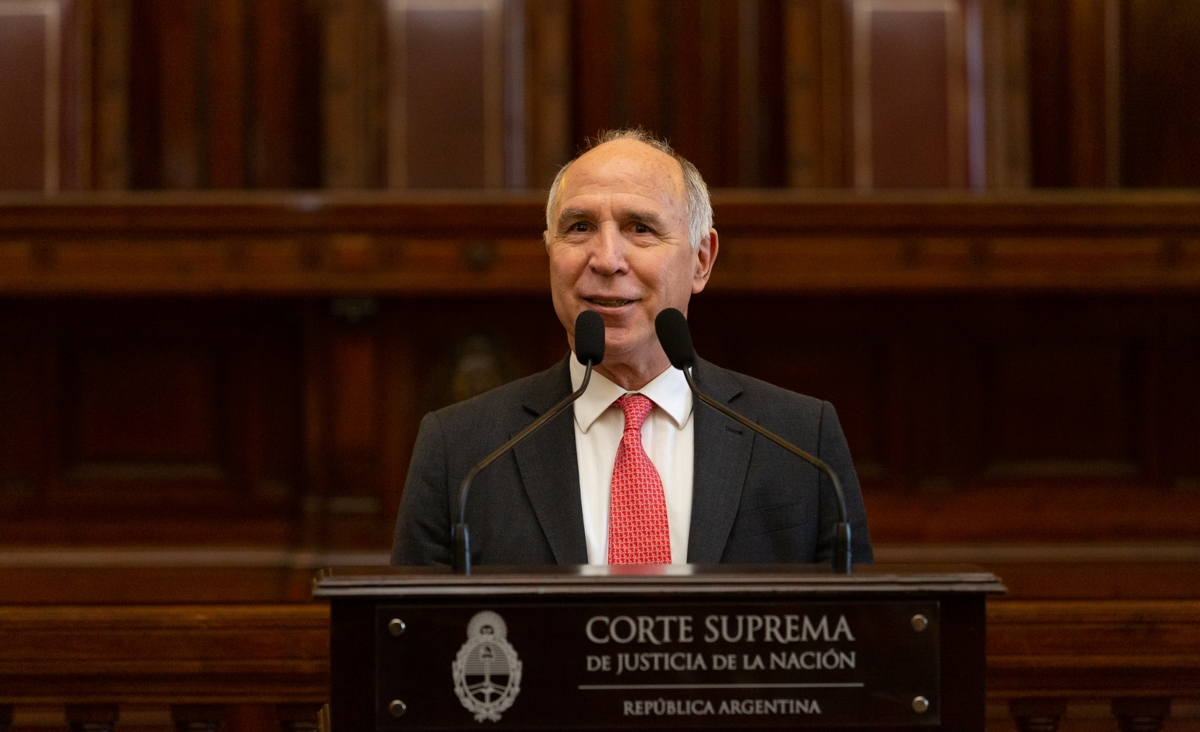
x,y
487,672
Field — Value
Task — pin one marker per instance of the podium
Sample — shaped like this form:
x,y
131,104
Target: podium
x,y
649,647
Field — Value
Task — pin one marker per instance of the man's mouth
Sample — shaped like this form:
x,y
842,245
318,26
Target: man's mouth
x,y
607,302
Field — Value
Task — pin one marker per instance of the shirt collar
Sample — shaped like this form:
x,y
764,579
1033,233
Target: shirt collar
x,y
669,391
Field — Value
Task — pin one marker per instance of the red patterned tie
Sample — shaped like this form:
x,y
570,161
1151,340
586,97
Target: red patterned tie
x,y
637,514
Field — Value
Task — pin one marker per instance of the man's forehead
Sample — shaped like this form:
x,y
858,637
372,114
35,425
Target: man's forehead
x,y
630,154
624,166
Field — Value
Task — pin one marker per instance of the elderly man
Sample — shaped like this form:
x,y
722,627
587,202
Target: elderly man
x,y
639,475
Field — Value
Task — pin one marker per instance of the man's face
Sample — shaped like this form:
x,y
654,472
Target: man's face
x,y
620,247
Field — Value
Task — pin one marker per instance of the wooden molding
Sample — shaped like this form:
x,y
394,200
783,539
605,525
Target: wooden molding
x,y
1093,649
204,574
303,243
165,654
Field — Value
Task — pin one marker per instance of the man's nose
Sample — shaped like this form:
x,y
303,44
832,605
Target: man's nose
x,y
608,254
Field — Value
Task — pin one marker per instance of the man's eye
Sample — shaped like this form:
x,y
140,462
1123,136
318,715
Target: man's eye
x,y
578,226
641,228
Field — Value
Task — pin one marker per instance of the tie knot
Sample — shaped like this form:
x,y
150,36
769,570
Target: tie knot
x,y
636,408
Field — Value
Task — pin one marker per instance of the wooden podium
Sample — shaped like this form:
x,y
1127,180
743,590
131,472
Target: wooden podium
x,y
684,646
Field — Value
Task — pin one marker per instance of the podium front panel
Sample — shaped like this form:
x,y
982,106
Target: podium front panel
x,y
685,664
689,648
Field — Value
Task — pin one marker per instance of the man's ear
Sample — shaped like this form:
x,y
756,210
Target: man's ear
x,y
705,257
546,239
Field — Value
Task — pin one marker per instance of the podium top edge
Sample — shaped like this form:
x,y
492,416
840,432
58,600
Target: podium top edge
x,y
722,579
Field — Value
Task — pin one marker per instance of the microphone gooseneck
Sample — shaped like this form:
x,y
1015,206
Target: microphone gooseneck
x,y
676,339
589,350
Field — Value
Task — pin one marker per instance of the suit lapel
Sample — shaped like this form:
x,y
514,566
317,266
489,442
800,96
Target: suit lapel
x,y
549,468
722,457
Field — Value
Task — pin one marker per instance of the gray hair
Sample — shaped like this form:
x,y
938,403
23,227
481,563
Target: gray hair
x,y
699,207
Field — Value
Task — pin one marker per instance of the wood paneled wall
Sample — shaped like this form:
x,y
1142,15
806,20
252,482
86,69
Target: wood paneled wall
x,y
143,420
499,93
709,75
1113,99
1159,94
221,94
1007,369
117,94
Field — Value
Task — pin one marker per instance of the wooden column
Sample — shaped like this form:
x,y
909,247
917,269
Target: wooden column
x,y
350,94
1075,93
1005,40
111,96
547,89
1037,715
813,88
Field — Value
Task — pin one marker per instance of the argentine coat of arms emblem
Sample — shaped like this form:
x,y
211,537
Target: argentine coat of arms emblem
x,y
487,671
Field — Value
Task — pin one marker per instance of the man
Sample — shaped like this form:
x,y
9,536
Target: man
x,y
637,474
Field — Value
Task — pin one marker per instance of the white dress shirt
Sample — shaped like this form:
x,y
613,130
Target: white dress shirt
x,y
668,436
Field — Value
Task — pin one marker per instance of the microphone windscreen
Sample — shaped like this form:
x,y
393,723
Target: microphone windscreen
x,y
676,339
589,337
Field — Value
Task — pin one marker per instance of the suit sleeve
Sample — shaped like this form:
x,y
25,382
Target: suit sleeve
x,y
423,525
832,448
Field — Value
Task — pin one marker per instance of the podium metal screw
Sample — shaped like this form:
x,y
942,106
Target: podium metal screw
x,y
919,622
920,704
398,708
396,626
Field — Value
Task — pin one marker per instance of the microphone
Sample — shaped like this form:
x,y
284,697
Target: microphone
x,y
676,340
589,350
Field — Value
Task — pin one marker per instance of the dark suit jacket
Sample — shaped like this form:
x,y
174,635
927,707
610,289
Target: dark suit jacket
x,y
752,501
